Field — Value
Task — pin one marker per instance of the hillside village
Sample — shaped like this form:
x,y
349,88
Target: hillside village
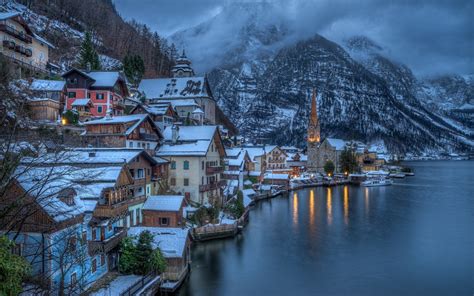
x,y
92,159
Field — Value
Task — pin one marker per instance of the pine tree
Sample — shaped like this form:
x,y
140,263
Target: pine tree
x,y
143,253
13,269
329,167
348,161
134,68
88,54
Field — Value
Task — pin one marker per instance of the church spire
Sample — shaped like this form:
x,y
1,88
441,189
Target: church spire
x,y
314,133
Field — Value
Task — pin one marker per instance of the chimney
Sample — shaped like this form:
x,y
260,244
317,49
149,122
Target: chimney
x,y
174,133
109,115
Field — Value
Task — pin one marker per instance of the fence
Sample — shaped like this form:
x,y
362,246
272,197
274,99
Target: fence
x,y
139,285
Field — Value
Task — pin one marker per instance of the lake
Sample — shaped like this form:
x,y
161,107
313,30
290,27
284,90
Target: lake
x,y
415,237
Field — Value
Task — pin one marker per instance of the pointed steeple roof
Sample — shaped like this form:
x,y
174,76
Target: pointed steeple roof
x,y
314,133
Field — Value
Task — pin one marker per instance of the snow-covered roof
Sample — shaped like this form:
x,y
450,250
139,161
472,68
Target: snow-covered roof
x,y
171,203
47,85
104,78
271,176
194,148
160,160
256,151
171,241
198,111
248,195
117,156
136,119
173,87
338,144
233,152
7,15
42,40
156,109
190,133
80,102
179,102
44,183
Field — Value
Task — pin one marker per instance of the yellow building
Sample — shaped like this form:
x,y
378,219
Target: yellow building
x,y
28,51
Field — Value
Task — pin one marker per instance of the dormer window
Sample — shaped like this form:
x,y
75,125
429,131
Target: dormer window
x,y
72,80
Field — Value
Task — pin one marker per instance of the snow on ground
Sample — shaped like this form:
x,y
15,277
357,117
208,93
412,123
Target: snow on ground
x,y
118,285
109,63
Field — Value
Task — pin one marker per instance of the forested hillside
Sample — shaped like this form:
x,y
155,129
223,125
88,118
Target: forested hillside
x,y
63,22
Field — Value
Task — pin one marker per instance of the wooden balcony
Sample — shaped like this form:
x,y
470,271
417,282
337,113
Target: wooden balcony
x,y
207,187
107,245
35,67
148,137
15,33
109,211
214,169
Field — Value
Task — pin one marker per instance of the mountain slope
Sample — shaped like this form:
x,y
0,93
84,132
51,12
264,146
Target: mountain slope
x,y
363,94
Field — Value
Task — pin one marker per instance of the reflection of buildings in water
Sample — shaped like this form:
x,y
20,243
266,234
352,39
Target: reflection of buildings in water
x,y
295,208
346,204
329,205
366,200
311,208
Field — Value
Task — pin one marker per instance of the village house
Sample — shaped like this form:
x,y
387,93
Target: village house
x,y
72,235
277,179
196,155
368,160
48,100
266,158
237,162
164,211
102,91
296,162
187,91
27,50
163,114
175,245
330,149
129,131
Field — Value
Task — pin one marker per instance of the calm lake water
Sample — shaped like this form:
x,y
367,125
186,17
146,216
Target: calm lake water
x,y
413,238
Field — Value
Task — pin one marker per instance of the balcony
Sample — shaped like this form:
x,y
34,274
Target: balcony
x,y
109,211
15,33
148,137
107,245
214,169
36,67
9,44
159,176
207,187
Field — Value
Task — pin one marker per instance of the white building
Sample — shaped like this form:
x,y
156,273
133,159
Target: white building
x,y
196,155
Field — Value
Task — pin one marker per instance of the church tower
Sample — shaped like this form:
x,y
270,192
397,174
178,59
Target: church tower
x,y
182,67
314,136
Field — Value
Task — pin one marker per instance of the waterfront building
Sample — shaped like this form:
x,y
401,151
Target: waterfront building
x,y
297,163
28,51
103,91
164,211
237,162
196,156
71,221
368,160
129,131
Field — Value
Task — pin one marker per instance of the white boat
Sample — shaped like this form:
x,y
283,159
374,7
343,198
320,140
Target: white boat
x,y
376,182
397,175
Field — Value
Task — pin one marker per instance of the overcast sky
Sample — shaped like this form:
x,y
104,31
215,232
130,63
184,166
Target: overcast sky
x,y
428,35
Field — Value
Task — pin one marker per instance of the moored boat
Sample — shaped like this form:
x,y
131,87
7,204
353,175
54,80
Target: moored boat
x,y
376,182
397,175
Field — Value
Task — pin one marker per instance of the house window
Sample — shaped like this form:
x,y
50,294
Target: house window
x,y
94,265
173,165
73,279
88,95
140,174
164,221
100,96
186,182
109,227
84,237
17,249
73,80
148,172
147,145
202,164
102,260
71,94
137,216
148,190
173,181
186,165
130,144
94,233
99,109
72,243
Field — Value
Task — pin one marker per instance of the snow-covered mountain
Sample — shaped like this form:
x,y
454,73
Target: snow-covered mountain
x,y
261,78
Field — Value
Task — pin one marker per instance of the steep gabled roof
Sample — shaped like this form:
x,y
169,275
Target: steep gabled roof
x,y
171,203
136,119
175,88
47,85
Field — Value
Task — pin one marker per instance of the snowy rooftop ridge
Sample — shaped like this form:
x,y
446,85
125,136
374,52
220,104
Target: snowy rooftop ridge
x,y
171,241
339,144
171,203
173,87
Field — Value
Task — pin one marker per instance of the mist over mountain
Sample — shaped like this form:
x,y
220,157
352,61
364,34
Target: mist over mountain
x,y
261,64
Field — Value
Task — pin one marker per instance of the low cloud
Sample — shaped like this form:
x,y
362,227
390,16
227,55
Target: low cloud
x,y
431,37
